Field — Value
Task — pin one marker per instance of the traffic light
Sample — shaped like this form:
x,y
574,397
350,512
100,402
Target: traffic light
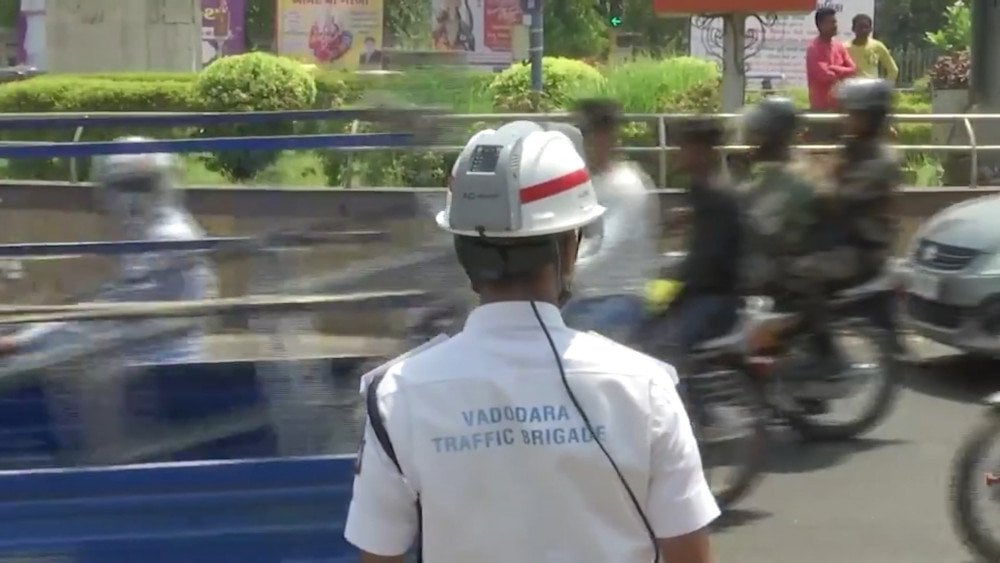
x,y
616,12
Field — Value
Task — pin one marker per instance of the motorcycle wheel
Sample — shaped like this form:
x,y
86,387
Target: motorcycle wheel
x,y
972,526
732,389
813,428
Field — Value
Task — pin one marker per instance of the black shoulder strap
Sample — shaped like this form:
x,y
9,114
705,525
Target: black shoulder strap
x,y
378,425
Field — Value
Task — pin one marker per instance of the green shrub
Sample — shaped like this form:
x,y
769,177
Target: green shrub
x,y
563,81
252,82
335,89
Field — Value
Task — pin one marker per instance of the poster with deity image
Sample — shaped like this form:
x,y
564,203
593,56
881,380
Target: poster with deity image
x,y
334,33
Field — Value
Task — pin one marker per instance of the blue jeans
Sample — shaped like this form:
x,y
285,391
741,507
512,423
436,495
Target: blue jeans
x,y
698,318
614,316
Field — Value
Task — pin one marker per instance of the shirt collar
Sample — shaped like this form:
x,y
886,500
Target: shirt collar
x,y
513,314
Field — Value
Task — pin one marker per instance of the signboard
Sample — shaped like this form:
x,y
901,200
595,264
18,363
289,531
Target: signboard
x,y
783,51
222,28
337,33
484,29
667,7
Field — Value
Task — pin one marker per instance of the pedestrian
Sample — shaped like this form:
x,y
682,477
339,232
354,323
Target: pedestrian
x,y
827,63
869,53
520,439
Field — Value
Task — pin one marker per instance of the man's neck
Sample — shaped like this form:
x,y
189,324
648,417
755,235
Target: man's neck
x,y
861,42
824,38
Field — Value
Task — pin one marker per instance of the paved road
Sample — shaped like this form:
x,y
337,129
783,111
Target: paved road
x,y
880,499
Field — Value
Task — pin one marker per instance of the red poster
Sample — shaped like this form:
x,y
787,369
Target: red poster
x,y
499,17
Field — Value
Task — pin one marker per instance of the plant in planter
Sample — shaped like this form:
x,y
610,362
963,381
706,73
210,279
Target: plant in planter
x,y
949,80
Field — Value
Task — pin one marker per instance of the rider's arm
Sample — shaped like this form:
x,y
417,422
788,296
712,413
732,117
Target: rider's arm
x,y
681,504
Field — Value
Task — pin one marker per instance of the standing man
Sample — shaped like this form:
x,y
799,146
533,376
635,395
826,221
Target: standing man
x,y
827,63
520,439
869,53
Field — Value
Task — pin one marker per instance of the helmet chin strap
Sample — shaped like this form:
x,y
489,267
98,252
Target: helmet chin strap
x,y
565,289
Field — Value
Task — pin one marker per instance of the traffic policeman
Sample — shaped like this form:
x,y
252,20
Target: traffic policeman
x,y
520,439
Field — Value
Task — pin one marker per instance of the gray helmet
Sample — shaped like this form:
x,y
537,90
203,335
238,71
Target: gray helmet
x,y
144,172
865,94
774,119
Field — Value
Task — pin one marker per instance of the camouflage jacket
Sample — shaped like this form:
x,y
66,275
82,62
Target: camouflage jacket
x,y
781,214
868,177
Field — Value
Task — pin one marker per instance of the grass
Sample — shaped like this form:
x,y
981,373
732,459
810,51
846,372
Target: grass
x,y
641,85
293,170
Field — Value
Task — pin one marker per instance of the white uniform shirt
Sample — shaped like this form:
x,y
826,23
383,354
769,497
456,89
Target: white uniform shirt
x,y
505,467
623,255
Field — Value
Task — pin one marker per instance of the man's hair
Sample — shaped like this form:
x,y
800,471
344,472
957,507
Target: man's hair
x,y
598,115
823,13
367,39
860,18
507,261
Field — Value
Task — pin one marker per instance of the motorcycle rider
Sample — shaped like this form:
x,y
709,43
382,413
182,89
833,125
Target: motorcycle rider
x,y
869,172
619,253
868,176
706,306
783,214
140,195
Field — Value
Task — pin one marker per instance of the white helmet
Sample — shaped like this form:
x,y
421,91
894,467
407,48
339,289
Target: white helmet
x,y
519,181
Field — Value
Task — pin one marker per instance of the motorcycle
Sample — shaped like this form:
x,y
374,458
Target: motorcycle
x,y
737,384
974,486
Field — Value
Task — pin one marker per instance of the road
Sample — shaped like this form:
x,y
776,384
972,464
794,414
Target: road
x,y
880,499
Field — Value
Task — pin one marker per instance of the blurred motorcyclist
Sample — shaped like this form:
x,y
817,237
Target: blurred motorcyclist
x,y
619,254
868,175
140,196
783,218
869,172
707,304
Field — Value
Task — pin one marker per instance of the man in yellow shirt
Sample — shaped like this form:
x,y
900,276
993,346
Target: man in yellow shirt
x,y
869,53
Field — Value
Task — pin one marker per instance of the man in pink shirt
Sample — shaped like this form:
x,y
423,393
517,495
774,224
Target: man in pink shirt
x,y
827,63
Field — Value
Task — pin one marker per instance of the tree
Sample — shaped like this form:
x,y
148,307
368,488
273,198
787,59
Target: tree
x,y
575,28
406,24
260,19
906,22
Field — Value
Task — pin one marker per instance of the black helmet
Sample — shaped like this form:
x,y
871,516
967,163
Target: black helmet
x,y
773,120
865,94
700,130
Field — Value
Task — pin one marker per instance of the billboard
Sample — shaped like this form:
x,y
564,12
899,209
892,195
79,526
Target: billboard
x,y
222,28
783,51
337,33
482,28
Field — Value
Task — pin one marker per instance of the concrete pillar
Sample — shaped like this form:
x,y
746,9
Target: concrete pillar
x,y
734,81
112,35
985,88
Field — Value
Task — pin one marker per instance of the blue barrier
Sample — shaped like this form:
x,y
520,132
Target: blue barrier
x,y
172,119
249,510
272,143
112,248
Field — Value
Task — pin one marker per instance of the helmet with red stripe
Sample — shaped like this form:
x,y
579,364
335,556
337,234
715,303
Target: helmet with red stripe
x,y
519,181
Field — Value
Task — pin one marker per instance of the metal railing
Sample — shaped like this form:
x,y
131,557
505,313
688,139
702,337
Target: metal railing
x,y
416,138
